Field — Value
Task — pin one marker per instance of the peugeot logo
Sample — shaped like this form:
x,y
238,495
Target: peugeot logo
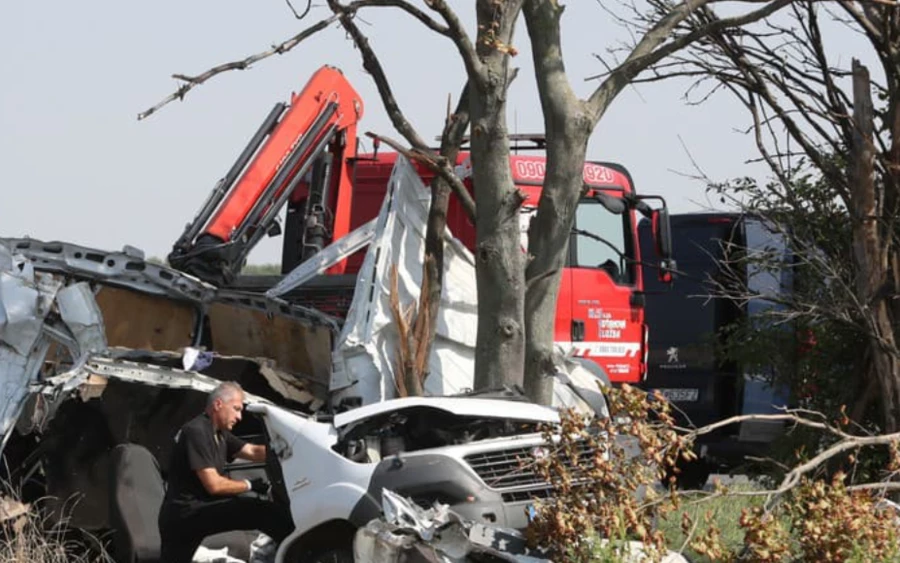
x,y
672,354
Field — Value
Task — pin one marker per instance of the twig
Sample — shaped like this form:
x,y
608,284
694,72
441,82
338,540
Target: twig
x,y
190,82
306,11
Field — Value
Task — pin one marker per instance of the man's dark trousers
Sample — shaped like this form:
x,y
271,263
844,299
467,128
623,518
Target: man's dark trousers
x,y
183,526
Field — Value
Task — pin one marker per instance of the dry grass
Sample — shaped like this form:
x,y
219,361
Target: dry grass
x,y
28,536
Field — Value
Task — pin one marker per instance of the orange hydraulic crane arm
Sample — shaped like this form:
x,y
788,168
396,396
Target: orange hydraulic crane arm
x,y
245,203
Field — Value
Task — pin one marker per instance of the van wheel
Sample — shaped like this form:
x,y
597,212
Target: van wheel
x,y
332,555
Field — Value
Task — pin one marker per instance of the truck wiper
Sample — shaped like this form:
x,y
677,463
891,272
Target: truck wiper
x,y
600,239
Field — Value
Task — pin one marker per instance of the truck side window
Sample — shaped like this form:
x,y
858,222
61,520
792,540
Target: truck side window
x,y
601,243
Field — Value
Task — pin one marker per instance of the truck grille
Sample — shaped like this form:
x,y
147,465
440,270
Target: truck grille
x,y
512,471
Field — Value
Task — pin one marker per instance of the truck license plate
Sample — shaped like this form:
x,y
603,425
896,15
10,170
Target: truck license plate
x,y
687,395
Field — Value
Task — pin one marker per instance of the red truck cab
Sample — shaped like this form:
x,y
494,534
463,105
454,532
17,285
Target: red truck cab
x,y
304,156
599,309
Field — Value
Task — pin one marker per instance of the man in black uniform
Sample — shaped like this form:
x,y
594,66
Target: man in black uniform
x,y
200,500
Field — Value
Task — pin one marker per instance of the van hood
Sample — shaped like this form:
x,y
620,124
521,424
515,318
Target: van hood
x,y
461,406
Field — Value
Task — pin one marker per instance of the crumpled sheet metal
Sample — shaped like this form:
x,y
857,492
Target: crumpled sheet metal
x,y
411,533
125,268
57,389
25,300
406,515
80,312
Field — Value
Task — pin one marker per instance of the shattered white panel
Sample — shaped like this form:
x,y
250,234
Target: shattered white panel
x,y
366,353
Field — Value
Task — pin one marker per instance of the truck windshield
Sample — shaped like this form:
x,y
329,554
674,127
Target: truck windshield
x,y
601,240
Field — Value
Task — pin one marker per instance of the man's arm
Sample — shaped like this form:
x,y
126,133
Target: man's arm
x,y
252,452
202,458
219,485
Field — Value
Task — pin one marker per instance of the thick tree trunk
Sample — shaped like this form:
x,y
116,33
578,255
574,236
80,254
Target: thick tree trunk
x,y
567,130
868,253
548,238
500,265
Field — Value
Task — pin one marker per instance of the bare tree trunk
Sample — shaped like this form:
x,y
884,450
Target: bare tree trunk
x,y
567,129
500,264
548,237
433,267
871,262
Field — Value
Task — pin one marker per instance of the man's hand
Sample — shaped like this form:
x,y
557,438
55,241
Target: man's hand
x,y
259,485
218,485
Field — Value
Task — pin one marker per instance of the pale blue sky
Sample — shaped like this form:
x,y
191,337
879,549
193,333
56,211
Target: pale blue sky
x,y
78,166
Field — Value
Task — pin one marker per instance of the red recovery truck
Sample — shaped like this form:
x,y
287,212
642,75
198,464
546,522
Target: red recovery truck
x,y
305,157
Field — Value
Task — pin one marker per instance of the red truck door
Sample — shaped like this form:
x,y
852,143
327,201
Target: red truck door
x,y
603,326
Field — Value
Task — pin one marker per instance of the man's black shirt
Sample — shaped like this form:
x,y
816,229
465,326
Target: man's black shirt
x,y
198,446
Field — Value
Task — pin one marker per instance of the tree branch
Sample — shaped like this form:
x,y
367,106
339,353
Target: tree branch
x,y
192,81
438,165
648,52
398,119
374,68
474,67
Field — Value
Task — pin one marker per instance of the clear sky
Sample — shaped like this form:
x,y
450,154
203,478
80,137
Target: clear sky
x,y
78,166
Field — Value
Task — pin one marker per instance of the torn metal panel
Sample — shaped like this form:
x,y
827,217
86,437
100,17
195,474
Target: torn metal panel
x,y
131,372
252,373
26,298
324,259
289,387
376,543
297,347
258,376
406,515
18,372
365,354
145,321
80,312
127,268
